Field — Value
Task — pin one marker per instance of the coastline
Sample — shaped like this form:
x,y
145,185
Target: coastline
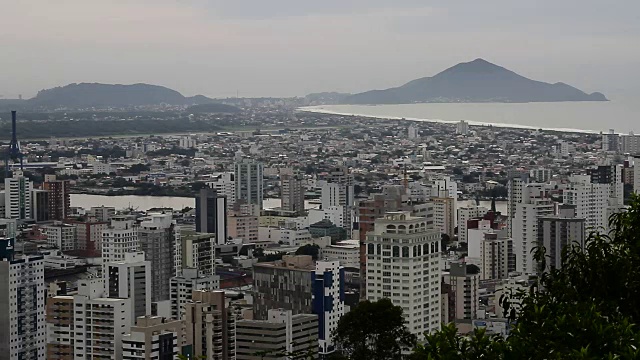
x,y
320,110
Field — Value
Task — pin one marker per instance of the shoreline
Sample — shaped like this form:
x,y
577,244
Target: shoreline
x,y
319,110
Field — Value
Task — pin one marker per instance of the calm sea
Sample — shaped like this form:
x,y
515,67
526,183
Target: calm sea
x,y
623,115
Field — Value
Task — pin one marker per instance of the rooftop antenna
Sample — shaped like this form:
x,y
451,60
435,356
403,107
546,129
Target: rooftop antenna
x,y
13,152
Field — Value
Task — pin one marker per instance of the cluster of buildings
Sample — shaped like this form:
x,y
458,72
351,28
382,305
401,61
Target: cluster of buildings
x,y
365,213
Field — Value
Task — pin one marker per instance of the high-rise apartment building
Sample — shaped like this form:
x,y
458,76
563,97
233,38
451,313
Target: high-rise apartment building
x,y
462,128
154,338
610,175
243,227
564,148
198,252
462,287
611,141
89,235
403,265
17,196
210,325
444,214
159,238
559,231
540,175
39,205
102,213
187,142
630,144
211,214
444,187
534,203
118,238
299,285
99,322
628,175
285,284
412,132
496,257
517,181
59,197
60,332
61,236
22,314
292,193
520,187
328,301
184,284
224,184
130,279
249,181
282,332
466,213
591,201
393,198
338,191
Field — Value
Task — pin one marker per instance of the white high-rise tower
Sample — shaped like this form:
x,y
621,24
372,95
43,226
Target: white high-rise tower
x,y
403,265
17,196
249,181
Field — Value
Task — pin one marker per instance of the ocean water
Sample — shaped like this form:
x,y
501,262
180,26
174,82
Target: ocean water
x,y
622,115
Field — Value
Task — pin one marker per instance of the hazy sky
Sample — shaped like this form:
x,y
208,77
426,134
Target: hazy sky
x,y
293,47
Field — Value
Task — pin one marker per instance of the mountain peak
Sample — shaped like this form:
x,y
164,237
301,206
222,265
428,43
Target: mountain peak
x,y
478,65
475,81
480,61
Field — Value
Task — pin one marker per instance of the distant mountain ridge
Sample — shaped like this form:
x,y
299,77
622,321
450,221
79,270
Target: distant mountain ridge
x,y
113,95
474,81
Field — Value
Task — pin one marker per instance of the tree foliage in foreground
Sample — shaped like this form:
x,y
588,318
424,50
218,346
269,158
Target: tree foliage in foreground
x,y
588,309
374,331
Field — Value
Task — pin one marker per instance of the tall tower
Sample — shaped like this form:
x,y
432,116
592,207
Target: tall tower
x,y
591,201
211,214
130,279
534,204
59,197
292,193
338,191
22,314
559,231
160,240
399,238
17,198
328,301
249,181
612,176
118,238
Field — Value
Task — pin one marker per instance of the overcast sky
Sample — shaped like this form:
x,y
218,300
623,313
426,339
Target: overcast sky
x,y
294,47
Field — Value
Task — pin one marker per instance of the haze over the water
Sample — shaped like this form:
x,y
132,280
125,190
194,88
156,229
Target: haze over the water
x,y
291,48
620,115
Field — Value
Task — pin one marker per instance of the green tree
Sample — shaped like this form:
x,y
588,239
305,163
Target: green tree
x,y
138,168
374,331
587,309
309,249
445,240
